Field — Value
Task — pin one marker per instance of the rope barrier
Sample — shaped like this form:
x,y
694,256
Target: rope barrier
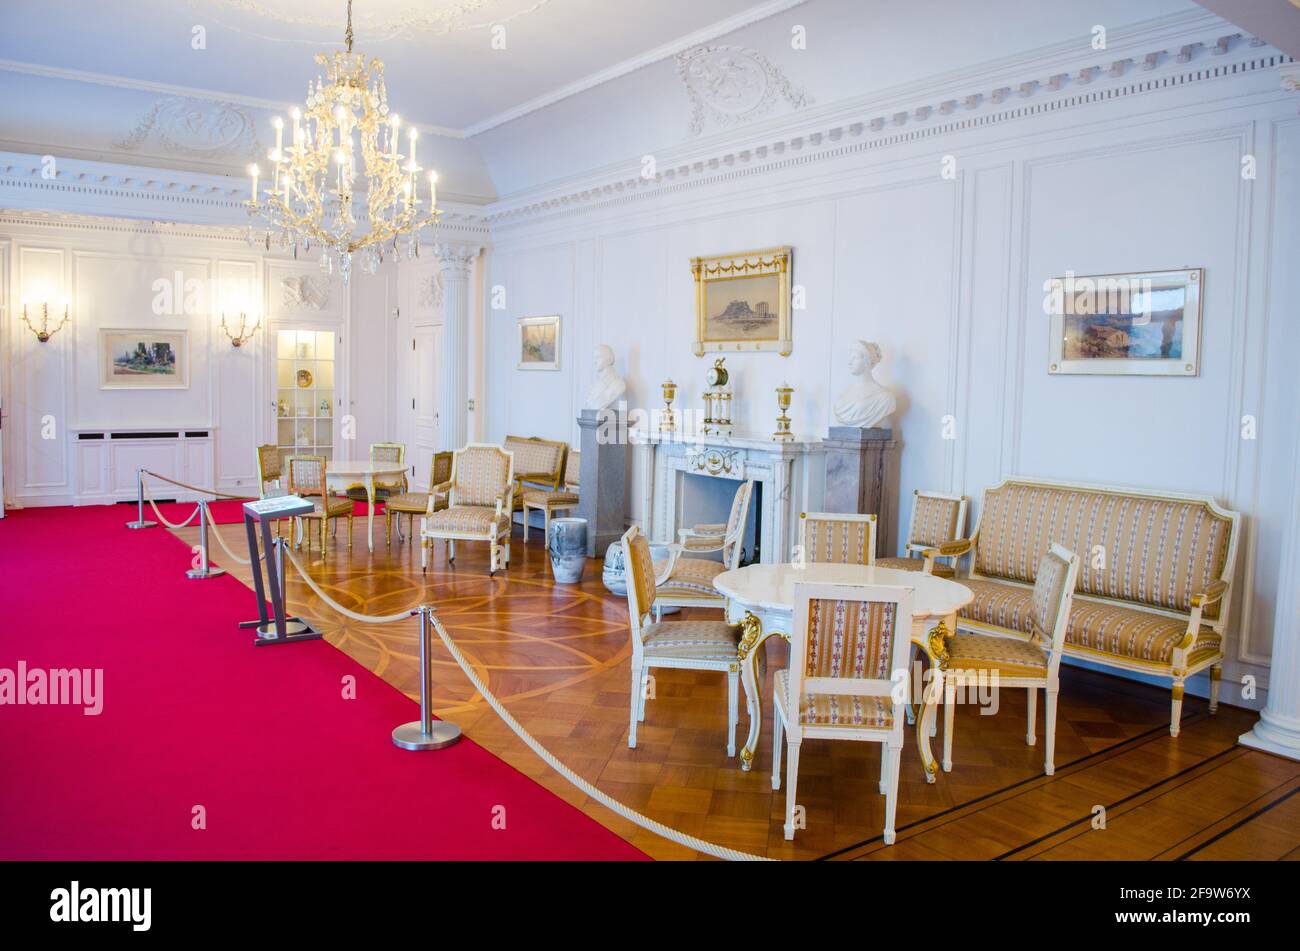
x,y
363,618
193,488
212,527
148,497
645,822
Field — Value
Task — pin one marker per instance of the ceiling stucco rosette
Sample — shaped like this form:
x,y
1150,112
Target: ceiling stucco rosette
x,y
728,85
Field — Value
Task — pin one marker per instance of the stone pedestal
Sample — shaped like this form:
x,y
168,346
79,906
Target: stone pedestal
x,y
862,476
602,482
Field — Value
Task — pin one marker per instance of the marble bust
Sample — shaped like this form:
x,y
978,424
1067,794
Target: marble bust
x,y
608,387
864,403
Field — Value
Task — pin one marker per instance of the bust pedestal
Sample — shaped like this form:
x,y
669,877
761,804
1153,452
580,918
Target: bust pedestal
x,y
602,482
862,476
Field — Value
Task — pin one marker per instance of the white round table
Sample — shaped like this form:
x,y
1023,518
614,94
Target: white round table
x,y
351,470
761,599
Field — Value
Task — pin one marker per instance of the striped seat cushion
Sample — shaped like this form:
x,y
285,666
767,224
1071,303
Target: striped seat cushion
x,y
541,497
415,502
464,520
692,576
915,564
1006,655
332,507
836,709
1107,628
692,640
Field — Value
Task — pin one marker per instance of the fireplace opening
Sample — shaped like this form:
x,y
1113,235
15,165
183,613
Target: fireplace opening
x,y
706,500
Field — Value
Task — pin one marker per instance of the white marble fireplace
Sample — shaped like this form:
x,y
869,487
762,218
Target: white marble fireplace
x,y
789,479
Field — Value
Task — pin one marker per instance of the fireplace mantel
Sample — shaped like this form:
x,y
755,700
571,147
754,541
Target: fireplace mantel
x,y
791,473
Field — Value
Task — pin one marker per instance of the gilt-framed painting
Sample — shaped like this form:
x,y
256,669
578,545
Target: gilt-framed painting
x,y
539,343
1145,323
144,359
742,302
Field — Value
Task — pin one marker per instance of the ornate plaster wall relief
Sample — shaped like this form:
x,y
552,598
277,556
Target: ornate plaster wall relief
x,y
306,291
200,127
730,84
431,290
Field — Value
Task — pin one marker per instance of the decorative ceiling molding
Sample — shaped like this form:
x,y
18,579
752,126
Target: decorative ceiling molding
x,y
87,187
203,128
173,89
846,131
666,51
728,85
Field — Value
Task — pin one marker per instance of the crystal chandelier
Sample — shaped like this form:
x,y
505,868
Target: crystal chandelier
x,y
309,200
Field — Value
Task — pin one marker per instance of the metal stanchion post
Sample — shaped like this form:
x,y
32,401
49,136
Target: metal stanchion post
x,y
139,503
204,570
426,733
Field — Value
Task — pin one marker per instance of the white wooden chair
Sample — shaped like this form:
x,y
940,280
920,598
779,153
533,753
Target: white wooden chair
x,y
687,582
689,645
842,683
935,530
839,538
479,496
1011,662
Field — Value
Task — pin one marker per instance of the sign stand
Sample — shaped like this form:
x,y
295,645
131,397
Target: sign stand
x,y
280,629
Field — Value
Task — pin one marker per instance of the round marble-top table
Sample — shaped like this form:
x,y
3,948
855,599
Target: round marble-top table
x,y
761,599
352,470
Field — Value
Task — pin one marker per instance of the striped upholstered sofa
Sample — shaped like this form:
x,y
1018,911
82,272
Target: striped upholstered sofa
x,y
1154,572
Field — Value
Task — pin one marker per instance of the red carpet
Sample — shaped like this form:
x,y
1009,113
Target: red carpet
x,y
195,715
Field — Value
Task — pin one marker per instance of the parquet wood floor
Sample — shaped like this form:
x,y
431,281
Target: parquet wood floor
x,y
558,656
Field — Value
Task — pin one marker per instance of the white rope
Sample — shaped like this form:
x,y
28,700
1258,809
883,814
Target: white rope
x,y
645,822
363,618
192,488
212,527
148,497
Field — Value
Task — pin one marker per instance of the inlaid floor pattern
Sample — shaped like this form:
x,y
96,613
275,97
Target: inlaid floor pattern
x,y
558,656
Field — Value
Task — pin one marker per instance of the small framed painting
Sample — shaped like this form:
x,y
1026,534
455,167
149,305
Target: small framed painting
x,y
144,359
1145,323
742,302
539,343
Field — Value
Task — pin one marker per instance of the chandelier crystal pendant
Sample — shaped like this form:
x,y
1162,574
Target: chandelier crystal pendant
x,y
311,198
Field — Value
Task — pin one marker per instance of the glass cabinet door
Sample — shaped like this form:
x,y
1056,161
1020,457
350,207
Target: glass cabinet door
x,y
304,405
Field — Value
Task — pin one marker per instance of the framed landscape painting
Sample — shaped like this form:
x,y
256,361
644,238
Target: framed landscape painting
x,y
1139,324
742,302
144,359
539,343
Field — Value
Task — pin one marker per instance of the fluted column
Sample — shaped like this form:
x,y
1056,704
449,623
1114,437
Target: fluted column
x,y
1278,729
454,260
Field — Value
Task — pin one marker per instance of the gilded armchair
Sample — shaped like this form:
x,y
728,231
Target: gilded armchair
x,y
934,532
480,496
307,479
688,582
550,501
412,504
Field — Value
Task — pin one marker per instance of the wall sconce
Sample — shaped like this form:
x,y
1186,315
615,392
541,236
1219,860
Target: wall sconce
x,y
245,333
45,333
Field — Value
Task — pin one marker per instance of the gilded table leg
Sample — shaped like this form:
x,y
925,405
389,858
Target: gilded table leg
x,y
934,645
750,653
370,514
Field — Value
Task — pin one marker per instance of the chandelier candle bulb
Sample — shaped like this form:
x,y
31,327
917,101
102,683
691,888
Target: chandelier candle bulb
x,y
253,172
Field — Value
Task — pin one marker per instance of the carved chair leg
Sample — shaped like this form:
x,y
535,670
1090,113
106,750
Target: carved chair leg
x,y
1176,713
638,691
791,786
1216,674
1049,732
778,730
1031,734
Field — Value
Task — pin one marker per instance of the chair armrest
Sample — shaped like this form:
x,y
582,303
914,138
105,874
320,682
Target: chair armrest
x,y
541,478
713,528
951,549
442,488
1212,594
674,552
687,533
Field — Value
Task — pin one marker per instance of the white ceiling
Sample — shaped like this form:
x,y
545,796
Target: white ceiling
x,y
442,67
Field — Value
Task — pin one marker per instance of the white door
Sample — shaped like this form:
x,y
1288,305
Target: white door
x,y
422,431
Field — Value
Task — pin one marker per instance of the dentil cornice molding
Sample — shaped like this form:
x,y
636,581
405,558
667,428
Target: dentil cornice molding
x,y
1175,51
81,187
